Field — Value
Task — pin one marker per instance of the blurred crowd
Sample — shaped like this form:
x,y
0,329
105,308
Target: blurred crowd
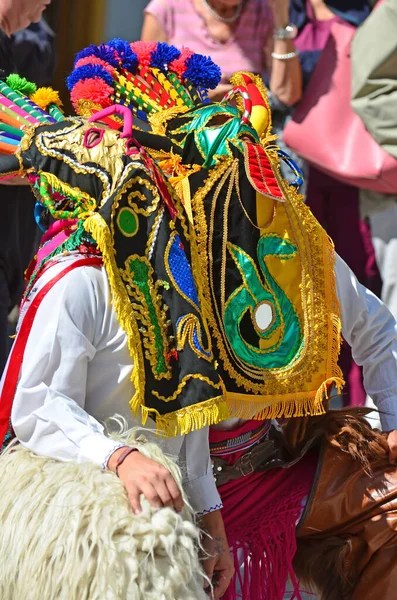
x,y
313,81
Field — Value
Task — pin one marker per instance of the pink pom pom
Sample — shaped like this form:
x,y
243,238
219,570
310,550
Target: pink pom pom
x,y
95,90
94,60
178,66
143,50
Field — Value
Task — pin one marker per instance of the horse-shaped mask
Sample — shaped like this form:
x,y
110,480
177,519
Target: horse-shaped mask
x,y
263,259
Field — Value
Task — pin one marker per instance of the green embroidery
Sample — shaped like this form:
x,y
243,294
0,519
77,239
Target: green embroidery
x,y
270,310
127,222
214,139
140,285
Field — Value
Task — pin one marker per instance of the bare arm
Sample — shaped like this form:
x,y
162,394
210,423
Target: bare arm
x,y
285,75
152,31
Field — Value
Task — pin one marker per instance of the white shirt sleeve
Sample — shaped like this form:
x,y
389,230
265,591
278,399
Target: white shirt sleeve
x,y
48,413
371,331
199,482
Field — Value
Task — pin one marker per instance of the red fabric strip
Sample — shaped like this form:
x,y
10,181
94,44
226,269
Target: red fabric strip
x,y
18,350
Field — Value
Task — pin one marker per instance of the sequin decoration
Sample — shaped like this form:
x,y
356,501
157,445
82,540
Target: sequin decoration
x,y
139,277
189,329
179,271
127,221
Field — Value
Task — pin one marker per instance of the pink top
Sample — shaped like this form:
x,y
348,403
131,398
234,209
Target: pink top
x,y
315,33
244,51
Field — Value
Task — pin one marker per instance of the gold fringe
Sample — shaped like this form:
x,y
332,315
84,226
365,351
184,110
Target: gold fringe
x,y
299,404
334,342
97,227
188,419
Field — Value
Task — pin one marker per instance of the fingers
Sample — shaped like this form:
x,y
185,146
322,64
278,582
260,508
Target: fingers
x,y
208,568
175,493
134,498
222,584
141,475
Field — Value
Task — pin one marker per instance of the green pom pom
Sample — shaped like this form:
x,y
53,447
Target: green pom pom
x,y
21,84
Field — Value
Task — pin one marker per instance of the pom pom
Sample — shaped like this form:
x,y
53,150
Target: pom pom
x,y
94,60
88,72
103,52
163,55
202,71
127,57
45,96
94,91
178,66
144,50
20,84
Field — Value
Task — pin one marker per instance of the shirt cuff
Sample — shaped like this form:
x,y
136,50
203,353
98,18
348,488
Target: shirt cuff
x,y
203,494
388,413
97,449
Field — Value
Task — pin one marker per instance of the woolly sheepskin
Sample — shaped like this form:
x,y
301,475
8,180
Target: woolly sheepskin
x,y
67,532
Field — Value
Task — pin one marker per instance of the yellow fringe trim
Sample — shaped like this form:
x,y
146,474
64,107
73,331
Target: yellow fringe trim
x,y
188,419
97,227
300,404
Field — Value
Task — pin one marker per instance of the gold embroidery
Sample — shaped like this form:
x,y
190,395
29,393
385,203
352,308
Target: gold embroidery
x,y
315,297
189,327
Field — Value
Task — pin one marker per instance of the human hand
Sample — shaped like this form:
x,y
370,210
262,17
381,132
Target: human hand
x,y
142,475
392,441
218,564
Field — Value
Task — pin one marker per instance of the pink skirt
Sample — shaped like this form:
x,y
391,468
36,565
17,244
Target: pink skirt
x,y
260,512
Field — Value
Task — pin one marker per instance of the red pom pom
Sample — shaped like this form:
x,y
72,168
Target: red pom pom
x,y
95,90
178,66
94,60
144,50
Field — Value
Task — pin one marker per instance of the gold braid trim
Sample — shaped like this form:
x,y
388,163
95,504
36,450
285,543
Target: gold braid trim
x,y
97,227
191,418
158,121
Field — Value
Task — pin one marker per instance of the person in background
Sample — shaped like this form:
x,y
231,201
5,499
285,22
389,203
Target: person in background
x,y
30,52
239,35
374,99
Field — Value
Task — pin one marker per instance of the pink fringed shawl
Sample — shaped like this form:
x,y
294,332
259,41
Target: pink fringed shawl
x,y
260,512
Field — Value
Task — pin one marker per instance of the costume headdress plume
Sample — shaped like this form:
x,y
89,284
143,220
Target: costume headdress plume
x,y
146,77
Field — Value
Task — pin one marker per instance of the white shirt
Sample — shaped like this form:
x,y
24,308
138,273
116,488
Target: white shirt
x,y
76,373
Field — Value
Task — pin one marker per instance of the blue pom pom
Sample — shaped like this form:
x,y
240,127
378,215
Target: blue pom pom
x,y
202,71
89,51
103,52
88,72
129,59
163,55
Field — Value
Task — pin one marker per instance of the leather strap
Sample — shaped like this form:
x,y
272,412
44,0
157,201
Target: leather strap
x,y
268,453
122,458
18,350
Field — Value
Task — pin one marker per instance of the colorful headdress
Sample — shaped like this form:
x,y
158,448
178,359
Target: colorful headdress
x,y
147,77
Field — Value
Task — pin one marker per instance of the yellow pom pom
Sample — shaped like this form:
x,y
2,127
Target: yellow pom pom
x,y
45,96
